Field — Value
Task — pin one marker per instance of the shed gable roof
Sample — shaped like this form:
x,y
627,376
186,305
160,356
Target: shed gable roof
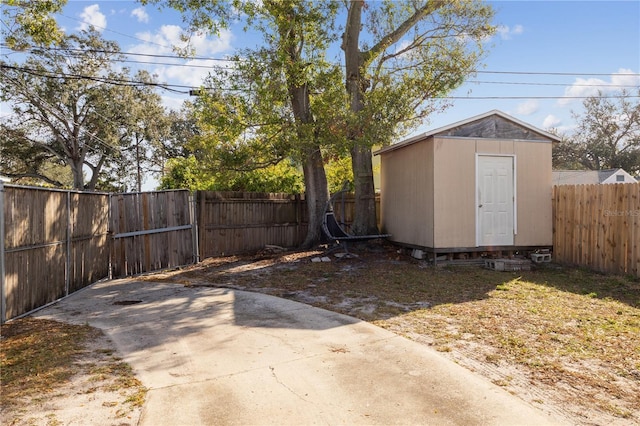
x,y
490,125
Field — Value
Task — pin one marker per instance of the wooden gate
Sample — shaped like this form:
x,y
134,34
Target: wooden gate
x,y
151,231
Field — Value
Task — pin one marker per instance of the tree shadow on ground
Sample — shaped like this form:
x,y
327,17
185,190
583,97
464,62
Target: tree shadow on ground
x,y
384,282
392,281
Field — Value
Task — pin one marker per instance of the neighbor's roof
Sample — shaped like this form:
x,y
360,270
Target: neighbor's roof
x,y
457,124
582,177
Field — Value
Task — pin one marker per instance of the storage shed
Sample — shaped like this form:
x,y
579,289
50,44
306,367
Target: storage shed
x,y
478,185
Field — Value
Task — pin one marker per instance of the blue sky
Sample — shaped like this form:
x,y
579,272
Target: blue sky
x,y
595,43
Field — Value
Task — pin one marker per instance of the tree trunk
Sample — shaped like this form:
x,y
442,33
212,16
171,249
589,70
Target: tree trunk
x,y
315,178
317,195
364,221
78,174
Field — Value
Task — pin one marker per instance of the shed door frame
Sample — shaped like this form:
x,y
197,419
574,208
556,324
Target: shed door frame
x,y
515,194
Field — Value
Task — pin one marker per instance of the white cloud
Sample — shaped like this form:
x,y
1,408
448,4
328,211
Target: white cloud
x,y
91,15
162,41
507,32
528,107
140,14
585,87
551,121
625,77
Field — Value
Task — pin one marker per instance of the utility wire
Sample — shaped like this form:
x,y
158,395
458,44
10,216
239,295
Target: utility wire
x,y
114,81
205,58
189,89
115,32
214,67
553,84
217,67
96,138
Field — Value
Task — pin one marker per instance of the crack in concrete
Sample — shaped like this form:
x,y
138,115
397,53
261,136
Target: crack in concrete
x,y
275,376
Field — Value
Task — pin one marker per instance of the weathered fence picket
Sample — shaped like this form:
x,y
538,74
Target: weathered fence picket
x,y
55,242
598,226
240,222
151,231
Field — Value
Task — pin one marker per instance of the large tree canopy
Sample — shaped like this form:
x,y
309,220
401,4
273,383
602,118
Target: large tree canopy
x,y
400,59
71,106
607,135
270,105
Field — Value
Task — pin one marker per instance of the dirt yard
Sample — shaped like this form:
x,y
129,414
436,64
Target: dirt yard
x,y
564,339
567,340
54,373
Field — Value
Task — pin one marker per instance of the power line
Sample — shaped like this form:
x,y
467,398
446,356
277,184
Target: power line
x,y
215,67
572,74
106,80
533,97
119,52
188,89
205,58
552,84
96,138
113,31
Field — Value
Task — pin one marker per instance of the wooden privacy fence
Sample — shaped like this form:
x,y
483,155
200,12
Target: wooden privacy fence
x,y
55,242
598,226
239,222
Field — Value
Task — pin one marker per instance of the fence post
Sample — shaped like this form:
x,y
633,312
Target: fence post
x,y
201,201
193,208
110,237
67,268
3,295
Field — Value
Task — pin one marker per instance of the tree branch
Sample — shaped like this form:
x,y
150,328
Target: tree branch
x,y
395,36
33,176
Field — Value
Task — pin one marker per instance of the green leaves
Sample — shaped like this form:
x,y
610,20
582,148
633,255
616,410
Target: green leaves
x,y
72,105
197,175
419,52
31,21
607,135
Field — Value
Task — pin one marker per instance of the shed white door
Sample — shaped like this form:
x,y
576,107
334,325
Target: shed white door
x,y
495,208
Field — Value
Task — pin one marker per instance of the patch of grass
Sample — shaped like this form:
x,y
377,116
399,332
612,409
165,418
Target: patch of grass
x,y
37,356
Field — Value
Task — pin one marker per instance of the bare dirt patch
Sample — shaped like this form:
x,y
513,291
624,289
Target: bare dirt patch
x,y
567,340
55,373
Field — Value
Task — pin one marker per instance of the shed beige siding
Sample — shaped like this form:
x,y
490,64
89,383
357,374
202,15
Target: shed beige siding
x,y
429,191
534,194
407,204
454,193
